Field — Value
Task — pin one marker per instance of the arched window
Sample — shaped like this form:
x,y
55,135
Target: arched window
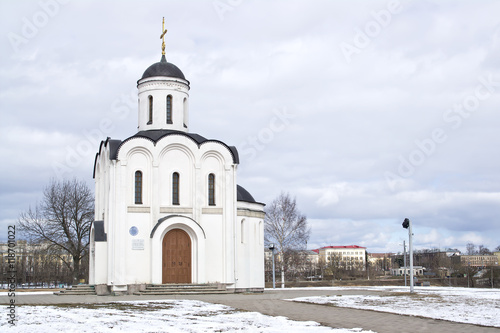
x,y
211,189
175,188
138,187
185,112
169,109
242,231
150,117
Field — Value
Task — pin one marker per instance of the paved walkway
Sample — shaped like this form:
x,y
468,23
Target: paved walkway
x,y
273,303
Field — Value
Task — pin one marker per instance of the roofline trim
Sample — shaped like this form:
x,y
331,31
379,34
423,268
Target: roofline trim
x,y
164,78
235,157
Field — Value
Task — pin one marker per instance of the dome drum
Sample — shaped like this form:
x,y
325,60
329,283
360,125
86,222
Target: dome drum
x,y
163,98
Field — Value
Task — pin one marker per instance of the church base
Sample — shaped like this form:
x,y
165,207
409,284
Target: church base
x,y
102,289
118,290
135,289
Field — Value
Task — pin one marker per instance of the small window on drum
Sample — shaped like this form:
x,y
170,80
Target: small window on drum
x,y
150,110
211,189
169,109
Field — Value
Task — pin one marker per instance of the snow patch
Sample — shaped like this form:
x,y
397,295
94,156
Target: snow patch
x,y
462,305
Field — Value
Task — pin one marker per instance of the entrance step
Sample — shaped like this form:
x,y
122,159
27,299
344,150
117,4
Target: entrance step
x,y
183,289
79,289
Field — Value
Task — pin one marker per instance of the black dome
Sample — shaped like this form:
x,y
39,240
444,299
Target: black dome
x,y
243,195
163,68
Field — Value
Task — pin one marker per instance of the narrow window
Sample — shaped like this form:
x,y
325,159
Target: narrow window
x,y
138,187
175,188
242,231
150,118
169,109
185,111
211,189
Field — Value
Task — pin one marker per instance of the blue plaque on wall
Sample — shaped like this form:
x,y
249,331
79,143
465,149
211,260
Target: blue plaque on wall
x,y
133,231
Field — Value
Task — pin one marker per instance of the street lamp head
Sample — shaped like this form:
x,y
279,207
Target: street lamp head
x,y
271,247
406,223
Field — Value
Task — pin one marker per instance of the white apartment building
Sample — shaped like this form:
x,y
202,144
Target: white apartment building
x,y
350,256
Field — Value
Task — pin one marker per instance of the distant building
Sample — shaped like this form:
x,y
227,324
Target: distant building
x,y
350,257
452,252
497,254
380,261
417,271
476,260
312,256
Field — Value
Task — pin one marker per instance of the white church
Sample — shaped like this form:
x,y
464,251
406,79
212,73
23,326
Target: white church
x,y
168,209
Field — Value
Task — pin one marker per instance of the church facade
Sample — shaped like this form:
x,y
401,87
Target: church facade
x,y
167,205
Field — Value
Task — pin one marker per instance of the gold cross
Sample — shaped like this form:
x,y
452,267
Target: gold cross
x,y
163,37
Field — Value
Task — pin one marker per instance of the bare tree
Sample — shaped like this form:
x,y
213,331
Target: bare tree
x,y
471,248
62,220
286,227
483,250
497,248
336,265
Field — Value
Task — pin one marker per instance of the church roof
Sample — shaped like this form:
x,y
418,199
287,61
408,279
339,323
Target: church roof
x,y
243,195
157,135
163,68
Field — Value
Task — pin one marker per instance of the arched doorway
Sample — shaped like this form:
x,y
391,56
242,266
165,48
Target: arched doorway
x,y
176,254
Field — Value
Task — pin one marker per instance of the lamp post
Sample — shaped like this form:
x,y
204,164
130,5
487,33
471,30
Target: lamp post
x,y
407,225
271,247
468,275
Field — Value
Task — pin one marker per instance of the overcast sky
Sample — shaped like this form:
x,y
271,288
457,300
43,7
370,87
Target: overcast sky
x,y
366,111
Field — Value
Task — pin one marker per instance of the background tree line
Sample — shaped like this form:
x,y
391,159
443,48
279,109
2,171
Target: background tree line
x,y
56,233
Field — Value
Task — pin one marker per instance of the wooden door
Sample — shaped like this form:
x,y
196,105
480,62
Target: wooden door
x,y
176,257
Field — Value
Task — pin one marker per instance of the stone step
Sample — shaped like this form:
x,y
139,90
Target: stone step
x,y
80,289
77,291
62,293
180,292
183,289
174,285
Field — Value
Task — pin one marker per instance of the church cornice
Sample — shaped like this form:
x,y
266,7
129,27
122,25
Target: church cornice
x,y
250,213
161,83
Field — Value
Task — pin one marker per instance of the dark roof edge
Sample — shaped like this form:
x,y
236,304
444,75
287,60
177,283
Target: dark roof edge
x,y
98,154
232,150
113,144
242,195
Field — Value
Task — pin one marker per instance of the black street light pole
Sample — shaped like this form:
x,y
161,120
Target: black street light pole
x,y
271,247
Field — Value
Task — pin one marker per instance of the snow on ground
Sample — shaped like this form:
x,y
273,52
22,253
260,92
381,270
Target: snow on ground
x,y
154,316
463,305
